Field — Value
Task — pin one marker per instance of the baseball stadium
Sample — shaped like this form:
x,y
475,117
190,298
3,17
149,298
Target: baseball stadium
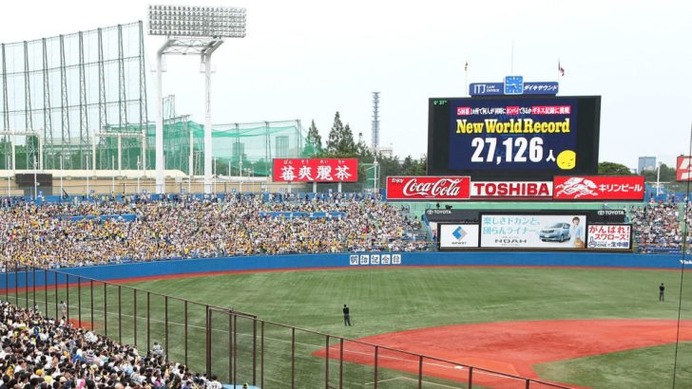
x,y
146,250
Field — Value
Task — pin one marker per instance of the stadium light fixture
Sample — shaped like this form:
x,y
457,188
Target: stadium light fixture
x,y
191,30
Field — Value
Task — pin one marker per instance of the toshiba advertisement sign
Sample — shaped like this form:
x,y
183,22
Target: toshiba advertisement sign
x,y
586,188
511,190
428,188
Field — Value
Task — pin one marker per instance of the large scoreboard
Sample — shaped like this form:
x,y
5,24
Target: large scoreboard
x,y
516,138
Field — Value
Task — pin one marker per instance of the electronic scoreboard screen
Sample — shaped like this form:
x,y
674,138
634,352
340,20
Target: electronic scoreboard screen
x,y
513,137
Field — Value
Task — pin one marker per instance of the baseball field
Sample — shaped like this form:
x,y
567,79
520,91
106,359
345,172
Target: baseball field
x,y
577,327
599,328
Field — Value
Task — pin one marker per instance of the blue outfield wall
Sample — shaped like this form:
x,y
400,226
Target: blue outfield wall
x,y
345,260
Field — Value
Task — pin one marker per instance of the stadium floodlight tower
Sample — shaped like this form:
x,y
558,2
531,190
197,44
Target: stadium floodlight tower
x,y
197,31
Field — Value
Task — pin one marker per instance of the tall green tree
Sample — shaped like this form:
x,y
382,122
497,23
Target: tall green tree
x,y
663,173
313,142
614,169
363,151
340,142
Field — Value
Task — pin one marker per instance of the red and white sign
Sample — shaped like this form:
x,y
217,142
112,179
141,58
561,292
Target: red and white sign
x,y
315,169
511,190
588,188
609,236
683,169
428,188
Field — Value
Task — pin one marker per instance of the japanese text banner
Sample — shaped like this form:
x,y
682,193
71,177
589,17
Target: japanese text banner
x,y
588,188
315,169
610,236
533,231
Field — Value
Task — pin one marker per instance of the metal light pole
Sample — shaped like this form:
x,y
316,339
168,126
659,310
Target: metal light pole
x,y
191,30
88,173
8,175
240,173
62,173
35,179
113,175
139,172
375,176
658,180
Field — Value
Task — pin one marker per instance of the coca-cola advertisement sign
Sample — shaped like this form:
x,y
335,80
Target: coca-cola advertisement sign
x,y
428,188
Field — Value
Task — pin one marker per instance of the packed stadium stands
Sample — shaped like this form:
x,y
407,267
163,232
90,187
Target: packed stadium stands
x,y
658,226
40,352
139,228
74,234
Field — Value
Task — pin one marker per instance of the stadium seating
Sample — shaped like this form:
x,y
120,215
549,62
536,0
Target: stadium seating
x,y
83,233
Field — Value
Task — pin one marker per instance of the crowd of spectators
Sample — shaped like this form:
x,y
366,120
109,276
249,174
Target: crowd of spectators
x,y
139,229
38,352
658,226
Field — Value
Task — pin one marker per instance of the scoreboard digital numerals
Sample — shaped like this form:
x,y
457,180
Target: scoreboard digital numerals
x,y
514,138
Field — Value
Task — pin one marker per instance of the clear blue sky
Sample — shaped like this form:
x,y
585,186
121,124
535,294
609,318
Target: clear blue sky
x,y
308,59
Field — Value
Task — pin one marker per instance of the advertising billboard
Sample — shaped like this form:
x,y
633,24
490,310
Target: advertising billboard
x,y
458,236
597,188
315,170
511,190
533,231
519,138
609,236
427,188
683,168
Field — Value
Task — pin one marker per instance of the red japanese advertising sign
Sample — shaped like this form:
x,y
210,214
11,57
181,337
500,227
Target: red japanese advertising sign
x,y
428,188
315,169
609,236
683,169
588,188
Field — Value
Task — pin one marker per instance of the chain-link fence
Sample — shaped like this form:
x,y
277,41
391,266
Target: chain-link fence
x,y
238,347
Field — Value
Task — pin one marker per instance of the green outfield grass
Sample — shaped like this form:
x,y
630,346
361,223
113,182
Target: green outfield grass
x,y
396,299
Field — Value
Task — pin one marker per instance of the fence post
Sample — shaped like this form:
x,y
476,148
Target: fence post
x,y
120,315
293,357
470,377
254,350
420,372
105,310
134,314
148,320
233,329
26,287
33,286
55,288
186,322
231,354
7,282
67,296
377,349
16,283
262,355
91,291
208,345
326,365
341,363
165,324
79,301
45,291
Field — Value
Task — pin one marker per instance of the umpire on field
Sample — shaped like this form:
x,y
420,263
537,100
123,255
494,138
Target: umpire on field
x,y
347,315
